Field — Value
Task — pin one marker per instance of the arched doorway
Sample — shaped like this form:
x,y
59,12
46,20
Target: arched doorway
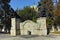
x,y
29,32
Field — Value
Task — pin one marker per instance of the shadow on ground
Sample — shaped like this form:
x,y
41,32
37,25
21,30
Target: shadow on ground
x,y
29,36
4,33
35,36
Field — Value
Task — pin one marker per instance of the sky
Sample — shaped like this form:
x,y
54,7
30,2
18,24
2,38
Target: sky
x,y
20,4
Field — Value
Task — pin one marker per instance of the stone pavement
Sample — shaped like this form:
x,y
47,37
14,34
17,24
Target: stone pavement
x,y
48,37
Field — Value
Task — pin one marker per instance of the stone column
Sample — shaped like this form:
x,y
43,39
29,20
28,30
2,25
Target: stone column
x,y
52,30
13,27
42,24
3,29
58,28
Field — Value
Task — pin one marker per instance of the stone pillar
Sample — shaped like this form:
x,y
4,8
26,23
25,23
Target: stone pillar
x,y
58,28
42,24
52,30
13,27
3,29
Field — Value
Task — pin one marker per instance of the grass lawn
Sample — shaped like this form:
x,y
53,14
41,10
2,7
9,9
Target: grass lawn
x,y
58,32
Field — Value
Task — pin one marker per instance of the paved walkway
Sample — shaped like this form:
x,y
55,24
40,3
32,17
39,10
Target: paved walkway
x,y
48,37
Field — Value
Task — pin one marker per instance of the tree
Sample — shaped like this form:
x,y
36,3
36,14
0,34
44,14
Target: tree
x,y
57,20
6,1
28,14
5,14
57,9
45,9
57,14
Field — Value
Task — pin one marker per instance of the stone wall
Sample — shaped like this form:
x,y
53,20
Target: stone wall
x,y
28,27
38,28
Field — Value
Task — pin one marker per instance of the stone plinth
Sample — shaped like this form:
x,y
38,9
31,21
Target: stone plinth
x,y
42,25
13,27
52,30
58,28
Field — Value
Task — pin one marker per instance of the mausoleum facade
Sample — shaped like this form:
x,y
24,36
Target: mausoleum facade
x,y
29,27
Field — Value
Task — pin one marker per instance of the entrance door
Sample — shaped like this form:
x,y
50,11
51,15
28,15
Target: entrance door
x,y
29,32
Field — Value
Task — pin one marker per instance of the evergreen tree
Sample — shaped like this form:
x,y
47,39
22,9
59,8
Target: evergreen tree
x,y
45,9
5,14
28,14
57,14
